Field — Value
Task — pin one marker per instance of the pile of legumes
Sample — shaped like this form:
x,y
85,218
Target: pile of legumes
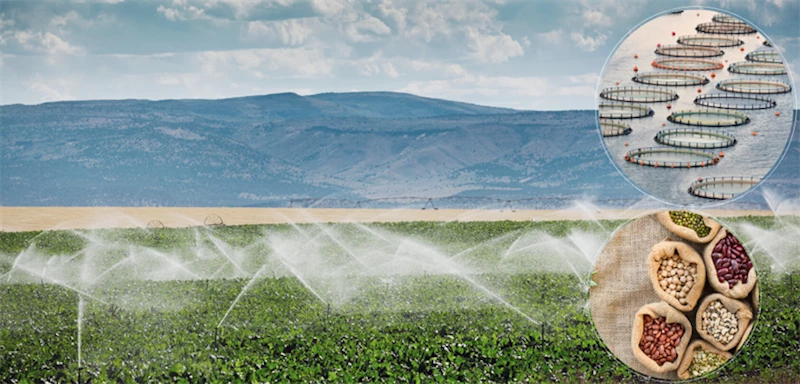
x,y
690,220
676,277
659,339
731,261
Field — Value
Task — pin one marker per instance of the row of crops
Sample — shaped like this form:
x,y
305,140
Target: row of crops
x,y
420,326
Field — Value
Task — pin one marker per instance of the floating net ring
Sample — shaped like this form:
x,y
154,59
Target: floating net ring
x,y
709,118
722,188
669,157
624,111
700,138
767,43
213,220
754,86
753,68
612,128
688,51
728,101
709,41
725,29
687,64
674,79
764,57
155,224
726,19
639,94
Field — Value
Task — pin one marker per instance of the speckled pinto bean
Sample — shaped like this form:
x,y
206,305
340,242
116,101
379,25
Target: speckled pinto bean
x,y
731,261
659,339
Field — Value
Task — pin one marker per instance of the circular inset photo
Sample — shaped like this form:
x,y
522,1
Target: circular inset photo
x,y
675,295
702,98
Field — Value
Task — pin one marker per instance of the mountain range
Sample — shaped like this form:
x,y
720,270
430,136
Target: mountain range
x,y
268,150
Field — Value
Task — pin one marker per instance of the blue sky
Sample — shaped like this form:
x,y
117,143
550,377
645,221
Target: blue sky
x,y
544,54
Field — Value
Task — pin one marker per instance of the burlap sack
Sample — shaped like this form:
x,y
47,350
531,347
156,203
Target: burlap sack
x,y
745,335
738,308
740,290
688,233
688,357
656,310
666,249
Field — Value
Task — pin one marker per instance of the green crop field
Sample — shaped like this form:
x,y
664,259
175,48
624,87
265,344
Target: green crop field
x,y
401,302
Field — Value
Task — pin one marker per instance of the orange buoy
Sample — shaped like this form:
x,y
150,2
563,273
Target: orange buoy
x,y
656,164
699,179
722,154
663,124
658,45
688,165
716,160
754,133
699,90
617,83
673,33
626,143
703,164
741,49
713,75
758,37
673,165
777,113
635,56
669,106
636,69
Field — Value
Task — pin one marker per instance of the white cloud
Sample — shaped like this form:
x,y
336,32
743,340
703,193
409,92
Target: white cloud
x,y
292,62
596,17
588,43
182,12
555,36
493,48
46,43
46,90
289,32
364,29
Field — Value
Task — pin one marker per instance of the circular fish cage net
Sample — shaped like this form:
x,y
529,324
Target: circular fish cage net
x,y
767,43
639,94
727,101
687,64
709,118
668,157
751,68
213,220
155,224
709,41
754,86
695,138
722,188
725,29
764,57
726,19
670,79
688,51
623,111
612,128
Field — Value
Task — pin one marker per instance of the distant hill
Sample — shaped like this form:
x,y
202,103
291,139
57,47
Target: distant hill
x,y
266,150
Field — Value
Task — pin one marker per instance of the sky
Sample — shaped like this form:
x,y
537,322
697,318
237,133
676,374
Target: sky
x,y
540,54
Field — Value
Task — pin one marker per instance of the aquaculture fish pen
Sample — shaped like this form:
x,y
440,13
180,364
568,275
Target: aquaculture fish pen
x,y
753,68
671,79
735,101
754,86
709,118
687,64
725,29
669,157
624,111
611,128
688,51
709,41
700,138
722,188
639,94
726,19
764,57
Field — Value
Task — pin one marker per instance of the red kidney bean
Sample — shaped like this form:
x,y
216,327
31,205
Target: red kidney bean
x,y
731,261
660,339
